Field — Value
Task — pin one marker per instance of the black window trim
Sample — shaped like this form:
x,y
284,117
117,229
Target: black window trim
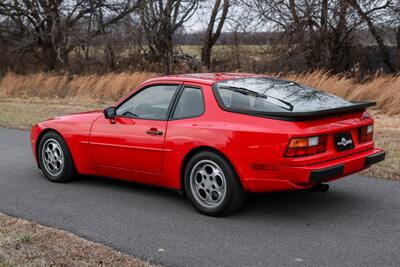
x,y
292,116
170,118
179,86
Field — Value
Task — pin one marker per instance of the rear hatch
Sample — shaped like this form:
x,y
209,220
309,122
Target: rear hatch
x,y
312,113
281,99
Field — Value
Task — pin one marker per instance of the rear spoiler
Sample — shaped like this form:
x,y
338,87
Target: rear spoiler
x,y
308,115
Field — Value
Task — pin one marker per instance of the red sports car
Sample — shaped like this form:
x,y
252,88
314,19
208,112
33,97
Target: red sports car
x,y
214,137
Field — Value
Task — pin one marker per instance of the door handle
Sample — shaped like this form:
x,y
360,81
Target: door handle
x,y
154,131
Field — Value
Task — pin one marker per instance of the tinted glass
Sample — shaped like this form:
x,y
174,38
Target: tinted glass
x,y
275,95
150,103
190,104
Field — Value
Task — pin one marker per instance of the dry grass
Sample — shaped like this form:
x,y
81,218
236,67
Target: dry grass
x,y
387,136
384,89
90,87
24,243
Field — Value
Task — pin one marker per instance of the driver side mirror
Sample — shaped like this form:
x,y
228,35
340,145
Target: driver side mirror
x,y
110,113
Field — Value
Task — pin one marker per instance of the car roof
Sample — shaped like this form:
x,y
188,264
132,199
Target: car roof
x,y
204,78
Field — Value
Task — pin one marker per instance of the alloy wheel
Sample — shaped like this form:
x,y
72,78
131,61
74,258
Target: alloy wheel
x,y
208,183
53,157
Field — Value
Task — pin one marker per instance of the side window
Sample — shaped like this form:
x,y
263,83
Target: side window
x,y
150,103
190,104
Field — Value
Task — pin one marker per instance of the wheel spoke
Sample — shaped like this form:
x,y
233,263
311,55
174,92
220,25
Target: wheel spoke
x,y
197,186
220,190
209,197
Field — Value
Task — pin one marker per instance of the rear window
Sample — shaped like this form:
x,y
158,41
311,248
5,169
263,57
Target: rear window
x,y
269,95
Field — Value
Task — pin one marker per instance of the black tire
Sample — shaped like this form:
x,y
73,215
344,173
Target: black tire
x,y
234,195
63,174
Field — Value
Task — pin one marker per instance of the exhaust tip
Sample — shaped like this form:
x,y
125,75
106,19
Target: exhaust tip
x,y
319,188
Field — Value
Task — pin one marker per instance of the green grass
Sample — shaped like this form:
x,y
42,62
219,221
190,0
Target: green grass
x,y
221,50
25,239
195,50
24,113
5,263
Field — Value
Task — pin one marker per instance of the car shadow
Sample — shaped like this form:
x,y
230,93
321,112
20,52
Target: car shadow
x,y
303,205
262,205
124,185
129,186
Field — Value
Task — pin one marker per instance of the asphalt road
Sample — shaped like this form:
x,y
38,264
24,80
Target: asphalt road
x,y
357,223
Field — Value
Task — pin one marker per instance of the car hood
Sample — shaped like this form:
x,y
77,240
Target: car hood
x,y
73,116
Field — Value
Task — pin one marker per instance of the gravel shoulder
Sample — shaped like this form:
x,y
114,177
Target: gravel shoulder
x,y
24,243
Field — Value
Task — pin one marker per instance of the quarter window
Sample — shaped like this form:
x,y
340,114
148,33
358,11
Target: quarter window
x,y
190,104
150,103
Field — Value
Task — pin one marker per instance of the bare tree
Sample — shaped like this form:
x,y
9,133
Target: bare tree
x,y
366,16
211,35
160,20
316,31
394,22
323,32
242,26
398,47
290,34
51,25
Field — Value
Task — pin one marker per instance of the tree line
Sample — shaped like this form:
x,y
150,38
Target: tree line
x,y
111,35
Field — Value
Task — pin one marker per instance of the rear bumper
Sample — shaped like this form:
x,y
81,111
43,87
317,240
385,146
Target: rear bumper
x,y
327,173
375,158
321,175
303,177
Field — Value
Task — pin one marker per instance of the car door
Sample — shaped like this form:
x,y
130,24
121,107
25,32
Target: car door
x,y
134,140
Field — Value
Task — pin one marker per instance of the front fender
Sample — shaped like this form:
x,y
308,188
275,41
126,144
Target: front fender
x,y
75,130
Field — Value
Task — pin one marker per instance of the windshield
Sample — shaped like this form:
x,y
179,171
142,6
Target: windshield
x,y
264,94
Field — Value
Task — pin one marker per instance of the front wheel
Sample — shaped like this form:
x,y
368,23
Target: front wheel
x,y
55,159
212,185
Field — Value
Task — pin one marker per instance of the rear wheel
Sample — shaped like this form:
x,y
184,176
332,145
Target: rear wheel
x,y
55,159
212,185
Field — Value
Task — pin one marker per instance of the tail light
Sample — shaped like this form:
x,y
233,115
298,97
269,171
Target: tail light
x,y
305,146
365,133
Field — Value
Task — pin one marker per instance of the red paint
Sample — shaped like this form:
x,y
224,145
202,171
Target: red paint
x,y
123,149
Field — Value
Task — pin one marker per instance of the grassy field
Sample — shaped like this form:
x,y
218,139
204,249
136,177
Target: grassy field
x,y
193,50
22,113
24,243
221,50
110,87
387,136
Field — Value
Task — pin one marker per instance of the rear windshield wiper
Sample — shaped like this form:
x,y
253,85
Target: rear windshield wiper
x,y
250,92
